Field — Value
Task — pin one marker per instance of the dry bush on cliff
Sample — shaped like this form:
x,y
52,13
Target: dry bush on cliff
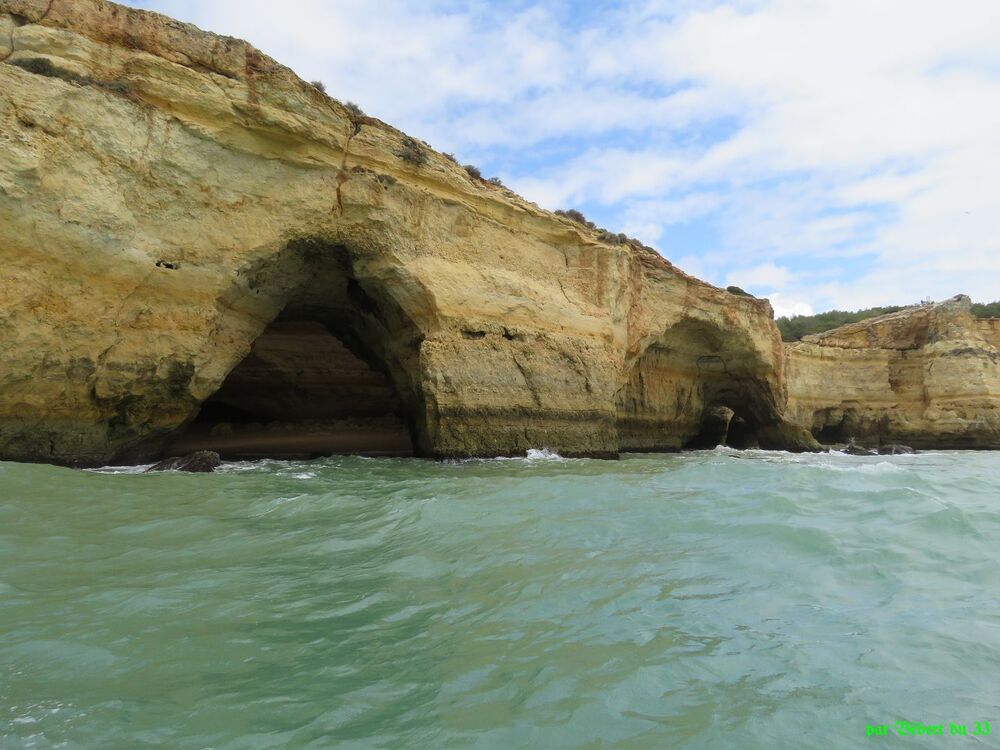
x,y
412,152
611,238
577,216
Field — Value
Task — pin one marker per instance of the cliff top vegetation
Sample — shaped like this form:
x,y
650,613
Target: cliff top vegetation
x,y
795,327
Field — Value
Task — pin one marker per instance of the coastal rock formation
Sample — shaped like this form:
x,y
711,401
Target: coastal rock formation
x,y
202,251
173,203
198,462
927,377
989,329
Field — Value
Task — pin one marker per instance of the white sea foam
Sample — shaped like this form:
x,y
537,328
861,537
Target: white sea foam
x,y
140,469
878,467
532,455
543,454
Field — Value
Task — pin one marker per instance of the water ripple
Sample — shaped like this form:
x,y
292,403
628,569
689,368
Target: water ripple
x,y
718,599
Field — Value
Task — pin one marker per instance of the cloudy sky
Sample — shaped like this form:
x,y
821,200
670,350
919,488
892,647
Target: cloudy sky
x,y
823,153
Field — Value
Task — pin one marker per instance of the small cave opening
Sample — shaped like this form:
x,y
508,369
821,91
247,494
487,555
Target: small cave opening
x,y
833,426
714,429
302,392
742,433
723,425
697,386
830,434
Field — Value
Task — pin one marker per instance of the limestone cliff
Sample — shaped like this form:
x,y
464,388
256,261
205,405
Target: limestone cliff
x,y
989,329
169,197
926,376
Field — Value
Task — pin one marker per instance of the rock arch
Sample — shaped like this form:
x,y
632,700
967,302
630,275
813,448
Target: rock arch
x,y
698,385
156,221
330,363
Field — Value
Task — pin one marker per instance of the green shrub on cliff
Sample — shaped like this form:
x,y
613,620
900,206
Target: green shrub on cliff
x,y
987,310
42,66
795,327
605,235
411,151
573,215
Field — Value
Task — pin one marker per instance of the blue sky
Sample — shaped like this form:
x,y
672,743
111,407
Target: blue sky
x,y
834,153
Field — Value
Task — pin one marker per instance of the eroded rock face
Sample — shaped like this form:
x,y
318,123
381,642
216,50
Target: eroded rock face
x,y
989,329
927,377
166,194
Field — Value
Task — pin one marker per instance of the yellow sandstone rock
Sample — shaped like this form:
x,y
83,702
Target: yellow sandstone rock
x,y
197,245
989,329
927,376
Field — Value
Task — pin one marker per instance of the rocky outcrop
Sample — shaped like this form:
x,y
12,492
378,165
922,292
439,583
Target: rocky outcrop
x,y
926,376
989,329
169,196
200,251
197,462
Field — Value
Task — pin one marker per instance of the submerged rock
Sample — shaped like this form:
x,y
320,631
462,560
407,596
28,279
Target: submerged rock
x,y
857,450
894,449
199,461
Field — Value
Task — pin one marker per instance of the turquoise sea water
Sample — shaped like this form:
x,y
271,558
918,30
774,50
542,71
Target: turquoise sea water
x,y
709,600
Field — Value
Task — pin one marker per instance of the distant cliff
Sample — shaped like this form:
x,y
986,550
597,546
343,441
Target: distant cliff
x,y
927,376
200,249
793,328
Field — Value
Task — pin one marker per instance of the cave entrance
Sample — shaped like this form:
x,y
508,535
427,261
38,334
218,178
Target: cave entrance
x,y
695,387
330,374
845,423
725,420
300,393
830,434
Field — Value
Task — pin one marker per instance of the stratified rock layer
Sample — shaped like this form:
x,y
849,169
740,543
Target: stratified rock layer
x,y
166,193
926,376
169,197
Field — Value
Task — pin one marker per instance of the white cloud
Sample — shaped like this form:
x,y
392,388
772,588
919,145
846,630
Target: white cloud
x,y
764,275
785,306
664,211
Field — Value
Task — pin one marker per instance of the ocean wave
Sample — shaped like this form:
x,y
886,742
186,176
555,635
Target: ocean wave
x,y
542,454
531,455
138,469
881,467
569,589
